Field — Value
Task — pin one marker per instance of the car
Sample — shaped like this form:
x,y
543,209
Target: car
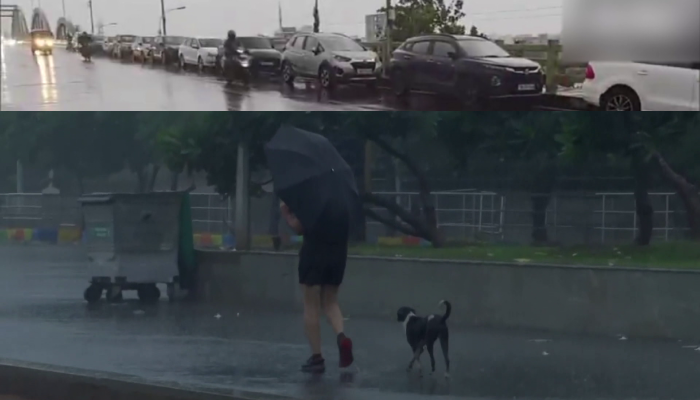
x,y
124,47
108,45
264,58
637,86
97,44
142,48
331,58
472,69
165,49
201,52
42,41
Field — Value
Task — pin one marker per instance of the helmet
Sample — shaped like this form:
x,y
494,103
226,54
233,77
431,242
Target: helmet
x,y
231,34
84,33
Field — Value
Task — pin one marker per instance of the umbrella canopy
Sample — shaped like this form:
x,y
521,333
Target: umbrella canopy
x,y
313,179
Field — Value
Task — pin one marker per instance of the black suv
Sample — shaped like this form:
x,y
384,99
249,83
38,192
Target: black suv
x,y
471,68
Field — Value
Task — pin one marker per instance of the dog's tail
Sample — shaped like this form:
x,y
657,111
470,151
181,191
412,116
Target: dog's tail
x,y
448,310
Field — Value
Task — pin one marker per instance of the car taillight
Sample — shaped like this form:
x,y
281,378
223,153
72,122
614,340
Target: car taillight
x,y
590,73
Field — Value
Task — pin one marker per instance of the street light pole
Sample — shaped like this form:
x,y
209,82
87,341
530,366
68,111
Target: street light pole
x,y
92,21
63,3
388,32
162,12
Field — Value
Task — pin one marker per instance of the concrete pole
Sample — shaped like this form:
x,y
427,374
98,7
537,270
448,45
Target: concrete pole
x,y
387,33
20,177
162,13
92,20
242,222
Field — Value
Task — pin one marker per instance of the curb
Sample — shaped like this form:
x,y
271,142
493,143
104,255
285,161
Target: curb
x,y
32,381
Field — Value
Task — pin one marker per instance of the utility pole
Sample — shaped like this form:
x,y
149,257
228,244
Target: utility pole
x,y
92,21
387,32
20,177
63,3
162,12
242,211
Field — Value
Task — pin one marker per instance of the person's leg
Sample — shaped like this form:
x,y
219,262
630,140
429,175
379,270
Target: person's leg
x,y
312,311
310,278
331,308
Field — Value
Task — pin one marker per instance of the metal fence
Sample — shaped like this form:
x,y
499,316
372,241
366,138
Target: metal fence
x,y
570,218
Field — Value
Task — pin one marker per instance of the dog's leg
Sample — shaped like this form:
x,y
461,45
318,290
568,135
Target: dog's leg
x,y
416,358
432,357
445,345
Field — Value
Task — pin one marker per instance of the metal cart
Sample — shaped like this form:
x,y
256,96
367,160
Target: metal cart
x,y
132,241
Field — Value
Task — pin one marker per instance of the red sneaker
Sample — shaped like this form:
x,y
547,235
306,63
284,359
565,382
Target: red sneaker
x,y
345,348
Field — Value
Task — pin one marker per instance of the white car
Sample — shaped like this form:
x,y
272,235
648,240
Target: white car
x,y
632,86
201,52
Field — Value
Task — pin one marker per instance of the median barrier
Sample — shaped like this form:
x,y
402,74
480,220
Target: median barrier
x,y
573,299
28,381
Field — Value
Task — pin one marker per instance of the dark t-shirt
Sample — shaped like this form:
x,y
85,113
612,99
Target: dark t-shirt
x,y
327,245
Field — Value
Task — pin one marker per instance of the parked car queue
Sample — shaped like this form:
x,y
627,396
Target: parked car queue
x,y
473,70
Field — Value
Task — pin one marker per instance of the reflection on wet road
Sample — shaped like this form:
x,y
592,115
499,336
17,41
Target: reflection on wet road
x,y
63,82
44,320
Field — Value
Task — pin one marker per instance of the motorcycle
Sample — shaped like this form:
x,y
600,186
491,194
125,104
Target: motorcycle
x,y
237,66
86,52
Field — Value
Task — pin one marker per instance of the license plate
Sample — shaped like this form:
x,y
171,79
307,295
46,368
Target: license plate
x,y
365,71
266,64
526,87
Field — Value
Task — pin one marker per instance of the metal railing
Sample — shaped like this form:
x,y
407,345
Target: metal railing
x,y
608,209
466,213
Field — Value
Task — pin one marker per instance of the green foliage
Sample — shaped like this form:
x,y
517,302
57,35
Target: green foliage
x,y
417,17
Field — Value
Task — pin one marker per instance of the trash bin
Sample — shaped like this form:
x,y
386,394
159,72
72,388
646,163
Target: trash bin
x,y
136,241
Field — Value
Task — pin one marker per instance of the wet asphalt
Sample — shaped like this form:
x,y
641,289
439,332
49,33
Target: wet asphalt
x,y
43,319
63,82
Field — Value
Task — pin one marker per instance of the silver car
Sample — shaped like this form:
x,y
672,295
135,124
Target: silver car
x,y
331,58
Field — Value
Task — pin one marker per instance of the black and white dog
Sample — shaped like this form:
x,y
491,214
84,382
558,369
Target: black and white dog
x,y
422,332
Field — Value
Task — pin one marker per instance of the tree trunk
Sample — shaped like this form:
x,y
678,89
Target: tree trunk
x,y
540,202
174,180
644,210
154,176
689,194
140,181
540,197
428,209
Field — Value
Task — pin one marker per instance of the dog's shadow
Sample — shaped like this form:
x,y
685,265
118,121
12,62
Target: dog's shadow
x,y
428,384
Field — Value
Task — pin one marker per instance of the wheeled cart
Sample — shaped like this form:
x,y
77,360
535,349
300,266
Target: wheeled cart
x,y
136,241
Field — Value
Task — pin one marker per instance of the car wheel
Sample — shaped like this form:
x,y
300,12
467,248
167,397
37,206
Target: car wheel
x,y
182,64
399,83
287,73
325,77
200,65
620,99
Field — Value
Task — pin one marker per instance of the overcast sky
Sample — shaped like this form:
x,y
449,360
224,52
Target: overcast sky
x,y
214,17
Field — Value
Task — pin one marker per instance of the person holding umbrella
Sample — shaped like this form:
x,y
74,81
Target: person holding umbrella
x,y
319,200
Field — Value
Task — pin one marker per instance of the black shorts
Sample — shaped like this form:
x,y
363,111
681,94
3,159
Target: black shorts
x,y
322,263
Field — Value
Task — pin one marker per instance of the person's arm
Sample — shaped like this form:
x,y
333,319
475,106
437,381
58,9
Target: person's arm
x,y
291,219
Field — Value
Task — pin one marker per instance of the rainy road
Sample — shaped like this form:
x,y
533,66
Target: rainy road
x,y
44,320
63,82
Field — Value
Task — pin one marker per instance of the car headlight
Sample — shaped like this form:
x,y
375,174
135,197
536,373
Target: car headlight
x,y
342,59
40,42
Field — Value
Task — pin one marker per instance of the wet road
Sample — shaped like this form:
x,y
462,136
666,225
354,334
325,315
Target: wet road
x,y
63,82
44,320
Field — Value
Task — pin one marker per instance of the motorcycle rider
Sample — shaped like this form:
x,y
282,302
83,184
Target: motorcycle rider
x,y
84,41
69,42
231,44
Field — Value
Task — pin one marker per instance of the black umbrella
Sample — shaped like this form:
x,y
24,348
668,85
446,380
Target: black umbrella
x,y
312,178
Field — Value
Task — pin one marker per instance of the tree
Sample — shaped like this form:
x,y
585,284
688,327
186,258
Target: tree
x,y
417,17
631,137
474,31
213,148
530,140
